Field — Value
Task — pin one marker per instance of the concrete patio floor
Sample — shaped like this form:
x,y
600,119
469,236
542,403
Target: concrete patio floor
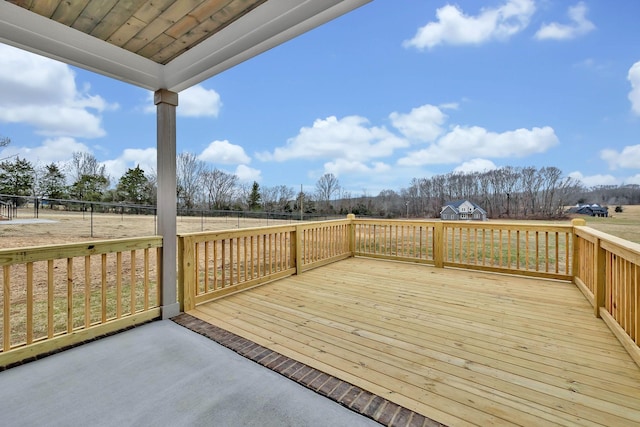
x,y
160,374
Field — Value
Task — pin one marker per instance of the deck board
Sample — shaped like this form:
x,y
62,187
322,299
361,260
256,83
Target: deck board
x,y
460,347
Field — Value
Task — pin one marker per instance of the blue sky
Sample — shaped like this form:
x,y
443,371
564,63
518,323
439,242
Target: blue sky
x,y
392,91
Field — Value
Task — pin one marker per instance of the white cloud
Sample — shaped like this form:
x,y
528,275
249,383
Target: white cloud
x,y
247,174
422,123
449,106
52,150
42,93
629,157
594,180
454,27
349,138
224,152
635,179
198,102
579,26
476,165
343,167
464,143
634,95
146,158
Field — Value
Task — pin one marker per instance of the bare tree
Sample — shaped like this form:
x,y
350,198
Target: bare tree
x,y
85,164
4,141
220,187
188,178
286,196
269,198
326,186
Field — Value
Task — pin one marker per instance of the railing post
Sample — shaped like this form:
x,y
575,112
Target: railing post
x,y
600,277
293,245
299,248
352,234
186,276
438,244
575,261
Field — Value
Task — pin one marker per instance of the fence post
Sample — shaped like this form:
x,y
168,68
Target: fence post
x,y
438,244
352,234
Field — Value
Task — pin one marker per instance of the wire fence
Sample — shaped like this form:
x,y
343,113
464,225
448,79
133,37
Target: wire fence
x,y
101,214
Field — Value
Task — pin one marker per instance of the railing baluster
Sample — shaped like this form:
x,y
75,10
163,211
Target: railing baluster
x,y
69,295
118,285
29,302
134,283
567,236
215,266
223,263
206,265
239,262
146,279
87,291
50,301
6,309
103,288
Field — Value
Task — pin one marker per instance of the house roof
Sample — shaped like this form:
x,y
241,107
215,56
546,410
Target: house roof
x,y
457,203
160,44
588,208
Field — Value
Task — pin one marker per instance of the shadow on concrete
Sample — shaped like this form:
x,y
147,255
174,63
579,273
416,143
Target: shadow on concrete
x,y
160,374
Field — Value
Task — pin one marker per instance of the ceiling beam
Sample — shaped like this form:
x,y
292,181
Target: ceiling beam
x,y
272,23
37,34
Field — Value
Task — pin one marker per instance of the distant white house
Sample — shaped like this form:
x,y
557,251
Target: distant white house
x,y
462,210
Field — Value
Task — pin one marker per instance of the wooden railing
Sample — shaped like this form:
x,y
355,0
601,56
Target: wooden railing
x,y
214,264
523,249
56,296
413,241
321,243
217,263
530,250
607,270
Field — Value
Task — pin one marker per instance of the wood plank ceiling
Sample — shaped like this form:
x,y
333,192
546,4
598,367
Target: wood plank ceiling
x,y
159,30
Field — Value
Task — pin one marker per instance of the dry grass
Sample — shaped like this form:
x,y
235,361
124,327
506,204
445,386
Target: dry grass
x,y
625,224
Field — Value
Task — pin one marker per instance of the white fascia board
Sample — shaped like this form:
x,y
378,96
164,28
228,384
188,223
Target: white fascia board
x,y
272,23
34,33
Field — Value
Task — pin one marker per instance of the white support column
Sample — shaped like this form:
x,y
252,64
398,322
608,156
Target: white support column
x,y
167,102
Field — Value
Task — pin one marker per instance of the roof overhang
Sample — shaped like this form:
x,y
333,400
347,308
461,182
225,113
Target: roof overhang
x,y
266,26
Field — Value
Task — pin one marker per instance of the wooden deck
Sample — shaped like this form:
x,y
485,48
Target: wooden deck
x,y
460,347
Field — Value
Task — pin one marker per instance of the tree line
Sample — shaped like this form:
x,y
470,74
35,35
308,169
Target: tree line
x,y
507,192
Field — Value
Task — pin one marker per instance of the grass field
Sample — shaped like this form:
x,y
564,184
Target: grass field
x,y
70,227
625,224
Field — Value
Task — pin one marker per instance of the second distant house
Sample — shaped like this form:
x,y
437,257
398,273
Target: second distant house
x,y
462,210
591,210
